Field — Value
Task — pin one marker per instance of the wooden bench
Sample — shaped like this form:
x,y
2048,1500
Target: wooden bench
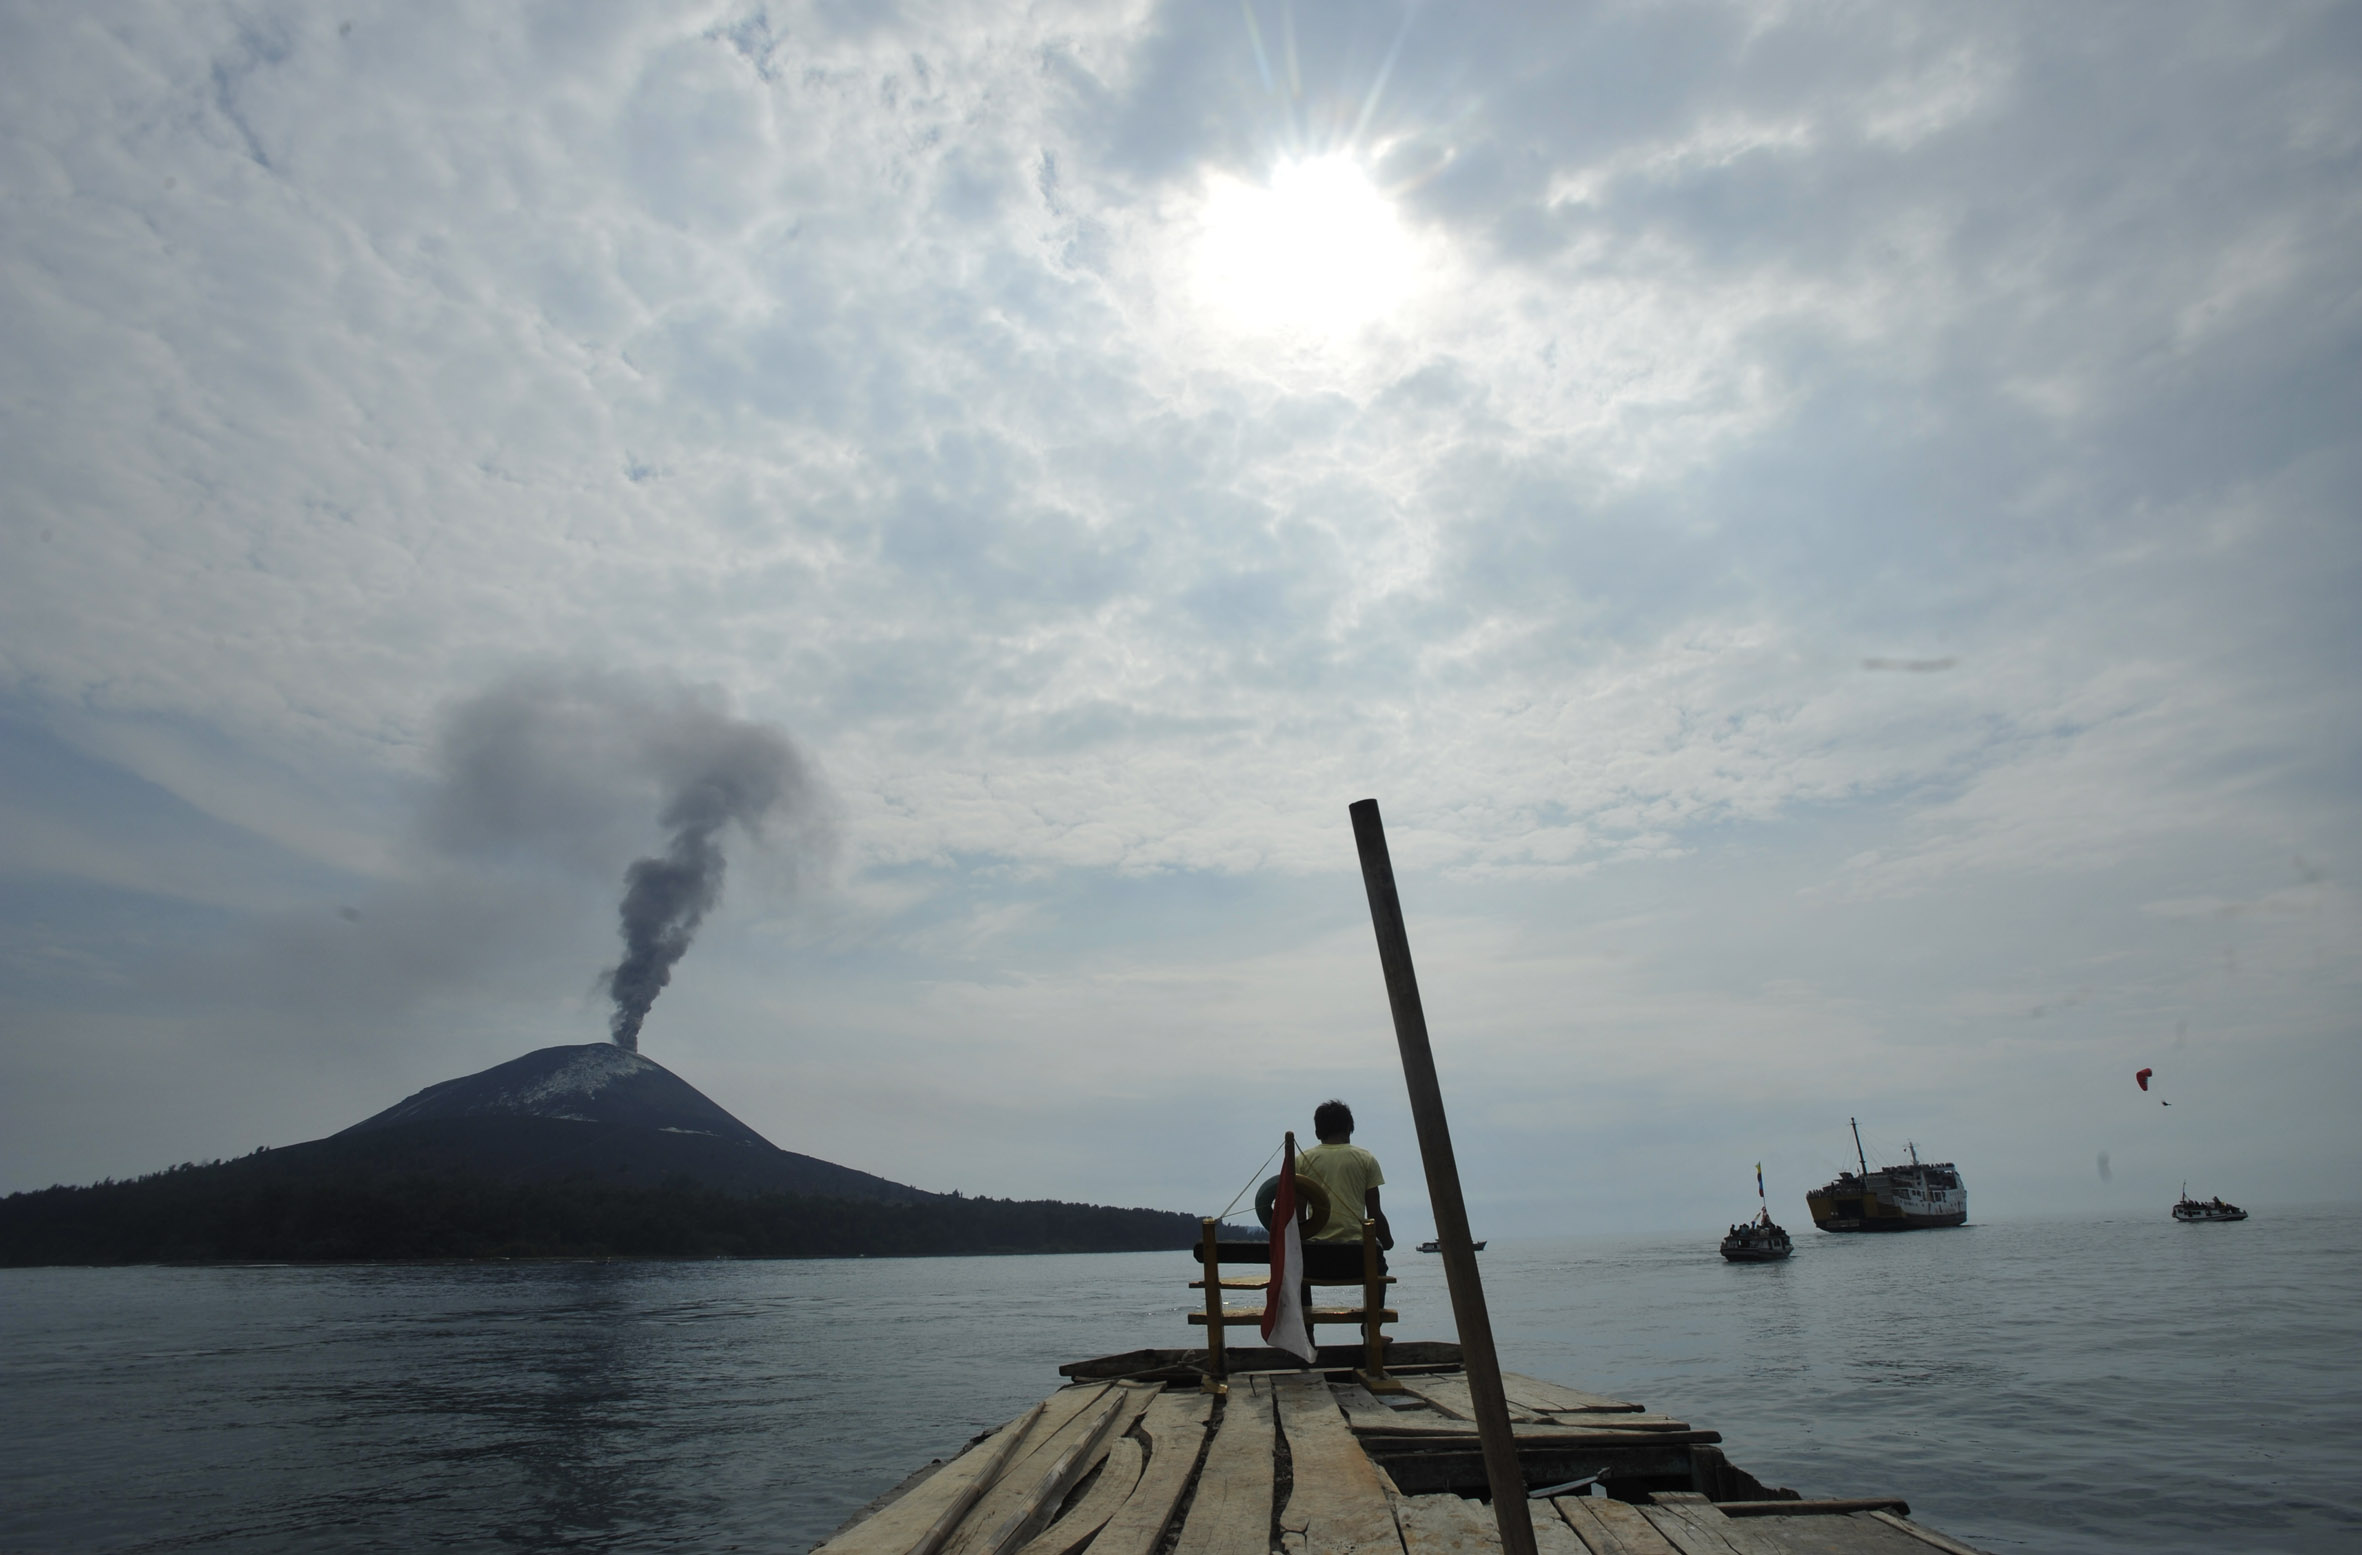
x,y
1371,1316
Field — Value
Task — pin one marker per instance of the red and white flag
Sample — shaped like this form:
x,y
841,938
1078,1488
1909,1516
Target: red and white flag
x,y
1283,1303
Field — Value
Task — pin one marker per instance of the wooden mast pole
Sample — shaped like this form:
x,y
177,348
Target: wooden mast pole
x,y
1443,1188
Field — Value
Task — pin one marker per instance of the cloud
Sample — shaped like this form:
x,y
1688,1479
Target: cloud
x,y
861,370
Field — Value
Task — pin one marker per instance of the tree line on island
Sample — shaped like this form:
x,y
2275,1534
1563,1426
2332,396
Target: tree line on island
x,y
216,1213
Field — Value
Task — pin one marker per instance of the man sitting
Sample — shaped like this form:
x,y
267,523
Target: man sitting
x,y
1351,1176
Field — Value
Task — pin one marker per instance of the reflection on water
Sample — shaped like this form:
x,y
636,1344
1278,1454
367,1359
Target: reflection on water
x,y
2095,1386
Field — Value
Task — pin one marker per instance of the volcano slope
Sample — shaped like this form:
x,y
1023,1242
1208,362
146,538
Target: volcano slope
x,y
595,1110
573,1151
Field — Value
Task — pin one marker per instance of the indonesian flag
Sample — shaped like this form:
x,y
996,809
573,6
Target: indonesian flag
x,y
1283,1302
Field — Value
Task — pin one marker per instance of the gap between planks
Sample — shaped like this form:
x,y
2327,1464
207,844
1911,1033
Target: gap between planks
x,y
1175,1427
1230,1514
1337,1503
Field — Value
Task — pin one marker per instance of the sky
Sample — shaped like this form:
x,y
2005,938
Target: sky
x,y
1829,530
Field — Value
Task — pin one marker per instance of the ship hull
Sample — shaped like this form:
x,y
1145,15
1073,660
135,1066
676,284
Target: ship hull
x,y
1834,1214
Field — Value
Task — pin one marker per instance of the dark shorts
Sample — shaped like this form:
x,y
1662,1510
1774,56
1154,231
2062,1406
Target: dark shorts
x,y
1336,1261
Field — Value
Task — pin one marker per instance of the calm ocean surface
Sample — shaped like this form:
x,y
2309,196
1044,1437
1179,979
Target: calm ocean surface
x,y
2062,1385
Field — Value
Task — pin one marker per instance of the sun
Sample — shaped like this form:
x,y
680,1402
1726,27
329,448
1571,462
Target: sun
x,y
1317,248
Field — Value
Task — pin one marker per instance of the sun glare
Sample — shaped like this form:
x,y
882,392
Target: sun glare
x,y
1318,248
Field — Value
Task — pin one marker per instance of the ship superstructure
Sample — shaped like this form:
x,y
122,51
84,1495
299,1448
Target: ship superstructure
x,y
1913,1197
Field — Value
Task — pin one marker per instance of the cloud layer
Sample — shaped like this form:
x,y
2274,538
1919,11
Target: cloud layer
x,y
874,372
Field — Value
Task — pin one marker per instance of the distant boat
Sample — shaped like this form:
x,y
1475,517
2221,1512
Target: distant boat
x,y
1758,1241
1437,1247
1916,1197
2191,1211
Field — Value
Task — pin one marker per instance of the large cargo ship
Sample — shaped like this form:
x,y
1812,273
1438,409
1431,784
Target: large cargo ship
x,y
1916,1197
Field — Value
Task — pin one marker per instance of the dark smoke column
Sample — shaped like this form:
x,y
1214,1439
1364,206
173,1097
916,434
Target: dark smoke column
x,y
741,775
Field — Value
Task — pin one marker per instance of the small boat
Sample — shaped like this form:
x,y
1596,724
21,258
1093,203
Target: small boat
x,y
1758,1241
2191,1211
1437,1247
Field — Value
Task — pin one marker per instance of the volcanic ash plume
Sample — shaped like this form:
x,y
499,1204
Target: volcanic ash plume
x,y
730,772
558,767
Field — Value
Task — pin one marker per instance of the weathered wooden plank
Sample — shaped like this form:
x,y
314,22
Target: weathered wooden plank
x,y
1449,1393
1175,1429
1612,1527
900,1526
1422,1468
1422,1422
1825,1507
1941,1541
1040,1503
1684,1538
1120,1411
1690,1522
1553,1535
1700,1512
1445,1525
1336,1501
1365,1411
1448,1525
1549,1398
1231,1511
1066,1421
1118,1476
1835,1534
1413,1437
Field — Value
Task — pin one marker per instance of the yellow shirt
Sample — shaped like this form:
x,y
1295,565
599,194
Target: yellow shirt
x,y
1348,1172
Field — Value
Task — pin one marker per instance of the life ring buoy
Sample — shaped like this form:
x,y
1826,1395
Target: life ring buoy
x,y
1312,1203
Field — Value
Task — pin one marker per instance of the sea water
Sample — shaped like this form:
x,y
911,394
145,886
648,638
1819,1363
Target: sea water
x,y
2096,1385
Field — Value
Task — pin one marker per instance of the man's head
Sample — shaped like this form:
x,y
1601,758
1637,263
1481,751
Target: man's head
x,y
1332,1120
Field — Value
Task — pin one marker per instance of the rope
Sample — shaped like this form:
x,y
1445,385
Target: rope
x,y
1254,1180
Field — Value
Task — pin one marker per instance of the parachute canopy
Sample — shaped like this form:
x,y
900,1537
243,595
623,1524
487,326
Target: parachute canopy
x,y
2143,1077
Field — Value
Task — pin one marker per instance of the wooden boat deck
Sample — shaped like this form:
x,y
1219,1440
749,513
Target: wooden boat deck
x,y
1132,1458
